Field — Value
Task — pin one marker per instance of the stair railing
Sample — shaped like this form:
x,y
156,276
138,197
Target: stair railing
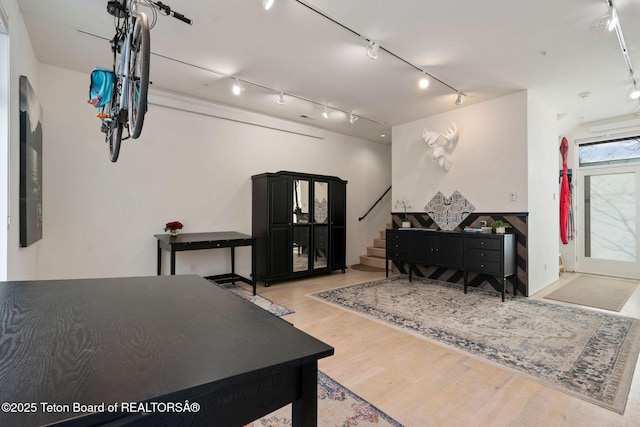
x,y
374,205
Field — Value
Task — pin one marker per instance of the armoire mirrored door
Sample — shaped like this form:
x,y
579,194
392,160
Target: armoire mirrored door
x,y
320,224
301,225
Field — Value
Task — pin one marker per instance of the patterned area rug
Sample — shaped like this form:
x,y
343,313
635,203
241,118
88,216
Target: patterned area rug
x,y
586,353
337,405
258,300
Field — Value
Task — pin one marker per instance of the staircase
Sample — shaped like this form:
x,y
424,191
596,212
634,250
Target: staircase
x,y
376,254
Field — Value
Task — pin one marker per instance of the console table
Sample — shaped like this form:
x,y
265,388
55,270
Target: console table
x,y
139,344
491,254
212,240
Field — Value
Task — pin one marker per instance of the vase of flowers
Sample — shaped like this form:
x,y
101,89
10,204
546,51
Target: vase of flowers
x,y
173,227
405,218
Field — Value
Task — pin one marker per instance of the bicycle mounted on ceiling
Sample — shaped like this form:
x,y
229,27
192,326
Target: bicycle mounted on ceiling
x,y
120,94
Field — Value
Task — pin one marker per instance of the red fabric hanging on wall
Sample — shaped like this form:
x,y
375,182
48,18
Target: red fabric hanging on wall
x,y
564,192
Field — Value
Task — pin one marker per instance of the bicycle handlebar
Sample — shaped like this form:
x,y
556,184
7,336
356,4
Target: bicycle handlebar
x,y
166,9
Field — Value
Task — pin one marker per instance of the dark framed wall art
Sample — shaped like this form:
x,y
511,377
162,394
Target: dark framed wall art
x,y
30,165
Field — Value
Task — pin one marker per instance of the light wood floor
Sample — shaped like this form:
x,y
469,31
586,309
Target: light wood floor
x,y
421,384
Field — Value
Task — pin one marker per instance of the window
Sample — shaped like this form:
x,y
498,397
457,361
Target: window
x,y
623,150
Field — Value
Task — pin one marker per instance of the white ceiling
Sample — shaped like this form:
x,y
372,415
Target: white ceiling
x,y
485,49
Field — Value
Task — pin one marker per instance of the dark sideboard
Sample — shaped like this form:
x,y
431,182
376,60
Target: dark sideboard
x,y
491,254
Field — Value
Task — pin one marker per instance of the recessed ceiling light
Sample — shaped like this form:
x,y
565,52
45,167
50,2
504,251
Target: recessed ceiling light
x,y
382,135
423,83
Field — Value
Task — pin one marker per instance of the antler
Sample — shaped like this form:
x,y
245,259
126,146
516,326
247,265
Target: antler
x,y
451,134
440,150
430,137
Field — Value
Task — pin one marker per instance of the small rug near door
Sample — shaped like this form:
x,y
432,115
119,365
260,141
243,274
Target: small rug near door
x,y
586,353
337,406
595,291
258,300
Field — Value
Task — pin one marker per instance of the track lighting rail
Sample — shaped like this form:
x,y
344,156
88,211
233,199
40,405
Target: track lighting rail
x,y
380,47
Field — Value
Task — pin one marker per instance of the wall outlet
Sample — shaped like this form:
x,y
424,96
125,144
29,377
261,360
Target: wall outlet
x,y
514,196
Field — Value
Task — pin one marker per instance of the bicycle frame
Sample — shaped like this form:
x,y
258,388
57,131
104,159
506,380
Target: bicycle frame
x,y
122,71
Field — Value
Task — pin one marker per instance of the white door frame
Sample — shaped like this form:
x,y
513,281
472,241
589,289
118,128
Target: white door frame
x,y
601,266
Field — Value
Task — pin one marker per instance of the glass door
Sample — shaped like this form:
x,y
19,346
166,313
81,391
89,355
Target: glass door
x,y
608,219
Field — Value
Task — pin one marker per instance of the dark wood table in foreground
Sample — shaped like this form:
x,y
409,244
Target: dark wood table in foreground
x,y
209,240
139,351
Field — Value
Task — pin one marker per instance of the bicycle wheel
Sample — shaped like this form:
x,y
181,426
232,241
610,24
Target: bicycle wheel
x,y
139,73
114,125
114,136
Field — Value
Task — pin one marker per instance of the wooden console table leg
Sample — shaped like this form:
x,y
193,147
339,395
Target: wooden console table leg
x,y
305,409
465,282
253,266
233,260
159,259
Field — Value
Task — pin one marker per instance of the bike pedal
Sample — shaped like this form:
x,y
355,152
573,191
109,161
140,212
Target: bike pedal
x,y
102,115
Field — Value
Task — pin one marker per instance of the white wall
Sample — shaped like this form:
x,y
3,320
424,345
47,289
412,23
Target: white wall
x,y
506,145
489,160
100,217
20,261
544,205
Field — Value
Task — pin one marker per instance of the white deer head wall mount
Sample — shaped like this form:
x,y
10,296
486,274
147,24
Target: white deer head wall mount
x,y
442,144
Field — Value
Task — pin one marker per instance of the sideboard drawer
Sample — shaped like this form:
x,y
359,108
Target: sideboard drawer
x,y
484,243
485,267
397,255
397,236
482,255
397,245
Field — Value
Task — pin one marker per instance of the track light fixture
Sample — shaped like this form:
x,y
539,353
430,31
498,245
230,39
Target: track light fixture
x,y
372,49
281,98
459,100
424,82
614,24
267,4
353,118
237,88
326,112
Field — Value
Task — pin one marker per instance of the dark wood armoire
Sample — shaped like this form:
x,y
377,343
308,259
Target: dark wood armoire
x,y
299,222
